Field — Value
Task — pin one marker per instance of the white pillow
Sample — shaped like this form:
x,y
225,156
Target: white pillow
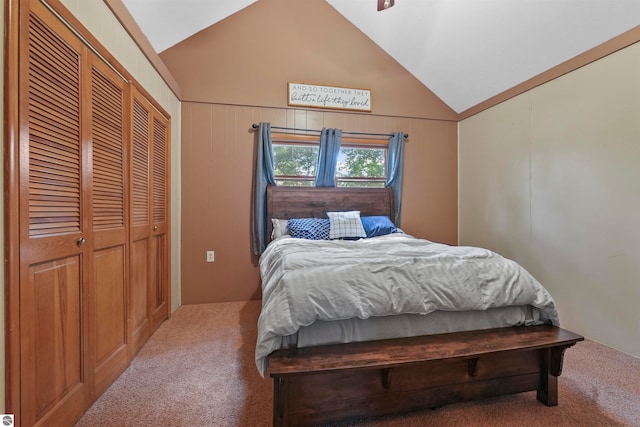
x,y
279,228
345,225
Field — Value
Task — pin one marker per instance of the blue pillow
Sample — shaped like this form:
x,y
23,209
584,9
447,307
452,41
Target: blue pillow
x,y
309,228
378,225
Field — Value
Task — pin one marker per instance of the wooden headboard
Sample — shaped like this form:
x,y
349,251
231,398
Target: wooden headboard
x,y
285,202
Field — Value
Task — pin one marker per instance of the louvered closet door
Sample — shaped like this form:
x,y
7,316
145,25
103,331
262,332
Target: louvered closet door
x,y
149,220
54,229
159,286
140,224
109,279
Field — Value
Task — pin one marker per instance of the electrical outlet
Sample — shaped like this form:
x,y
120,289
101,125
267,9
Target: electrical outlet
x,y
210,256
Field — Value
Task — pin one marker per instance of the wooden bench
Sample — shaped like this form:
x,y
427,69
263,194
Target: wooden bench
x,y
315,385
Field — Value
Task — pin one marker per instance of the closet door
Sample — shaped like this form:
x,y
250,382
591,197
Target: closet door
x,y
87,204
149,220
109,256
54,231
140,224
159,286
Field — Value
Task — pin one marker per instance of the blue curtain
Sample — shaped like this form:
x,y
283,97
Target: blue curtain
x,y
264,175
330,140
395,164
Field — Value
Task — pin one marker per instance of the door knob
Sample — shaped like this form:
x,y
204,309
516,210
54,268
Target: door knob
x,y
81,241
155,227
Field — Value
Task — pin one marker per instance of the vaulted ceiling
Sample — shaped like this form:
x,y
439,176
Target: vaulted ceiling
x,y
465,51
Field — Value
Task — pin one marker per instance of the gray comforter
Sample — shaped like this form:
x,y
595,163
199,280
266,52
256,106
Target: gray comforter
x,y
308,280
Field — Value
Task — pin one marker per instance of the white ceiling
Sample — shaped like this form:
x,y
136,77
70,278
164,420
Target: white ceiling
x,y
465,51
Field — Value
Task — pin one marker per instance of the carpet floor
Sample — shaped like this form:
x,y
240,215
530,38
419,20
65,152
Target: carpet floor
x,y
198,370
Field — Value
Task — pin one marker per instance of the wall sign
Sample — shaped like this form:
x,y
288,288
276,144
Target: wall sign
x,y
332,97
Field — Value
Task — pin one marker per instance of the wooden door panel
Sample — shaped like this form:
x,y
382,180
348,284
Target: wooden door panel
x,y
138,295
107,191
139,280
53,276
109,326
50,311
158,288
108,282
58,343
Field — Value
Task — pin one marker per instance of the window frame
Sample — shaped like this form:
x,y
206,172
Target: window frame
x,y
291,139
281,138
382,180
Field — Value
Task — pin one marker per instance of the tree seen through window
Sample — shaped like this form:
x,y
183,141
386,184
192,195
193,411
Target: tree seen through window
x,y
358,166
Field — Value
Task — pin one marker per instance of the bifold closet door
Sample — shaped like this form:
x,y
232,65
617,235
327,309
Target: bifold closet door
x,y
140,328
54,229
89,205
149,220
159,287
73,223
109,255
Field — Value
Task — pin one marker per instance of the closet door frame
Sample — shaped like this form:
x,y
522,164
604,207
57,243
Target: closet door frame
x,y
11,210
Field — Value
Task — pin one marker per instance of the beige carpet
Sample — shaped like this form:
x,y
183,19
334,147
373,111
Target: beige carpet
x,y
198,370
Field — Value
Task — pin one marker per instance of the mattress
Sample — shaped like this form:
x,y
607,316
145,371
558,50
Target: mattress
x,y
324,332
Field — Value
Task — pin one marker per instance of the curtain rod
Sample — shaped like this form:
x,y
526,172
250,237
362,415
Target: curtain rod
x,y
255,126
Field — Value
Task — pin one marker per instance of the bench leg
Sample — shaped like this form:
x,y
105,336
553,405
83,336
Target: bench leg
x,y
552,368
278,402
548,391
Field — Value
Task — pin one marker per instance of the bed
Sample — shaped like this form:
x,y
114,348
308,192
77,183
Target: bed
x,y
328,322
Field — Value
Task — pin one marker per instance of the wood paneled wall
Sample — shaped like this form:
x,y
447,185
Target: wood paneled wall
x,y
235,73
218,149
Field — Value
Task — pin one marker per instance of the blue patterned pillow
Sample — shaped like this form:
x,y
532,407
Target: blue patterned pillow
x,y
309,228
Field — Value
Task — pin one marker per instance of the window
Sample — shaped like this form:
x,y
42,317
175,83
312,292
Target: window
x,y
295,164
361,166
361,162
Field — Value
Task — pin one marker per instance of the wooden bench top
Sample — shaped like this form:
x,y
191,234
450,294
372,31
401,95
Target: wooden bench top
x,y
403,351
